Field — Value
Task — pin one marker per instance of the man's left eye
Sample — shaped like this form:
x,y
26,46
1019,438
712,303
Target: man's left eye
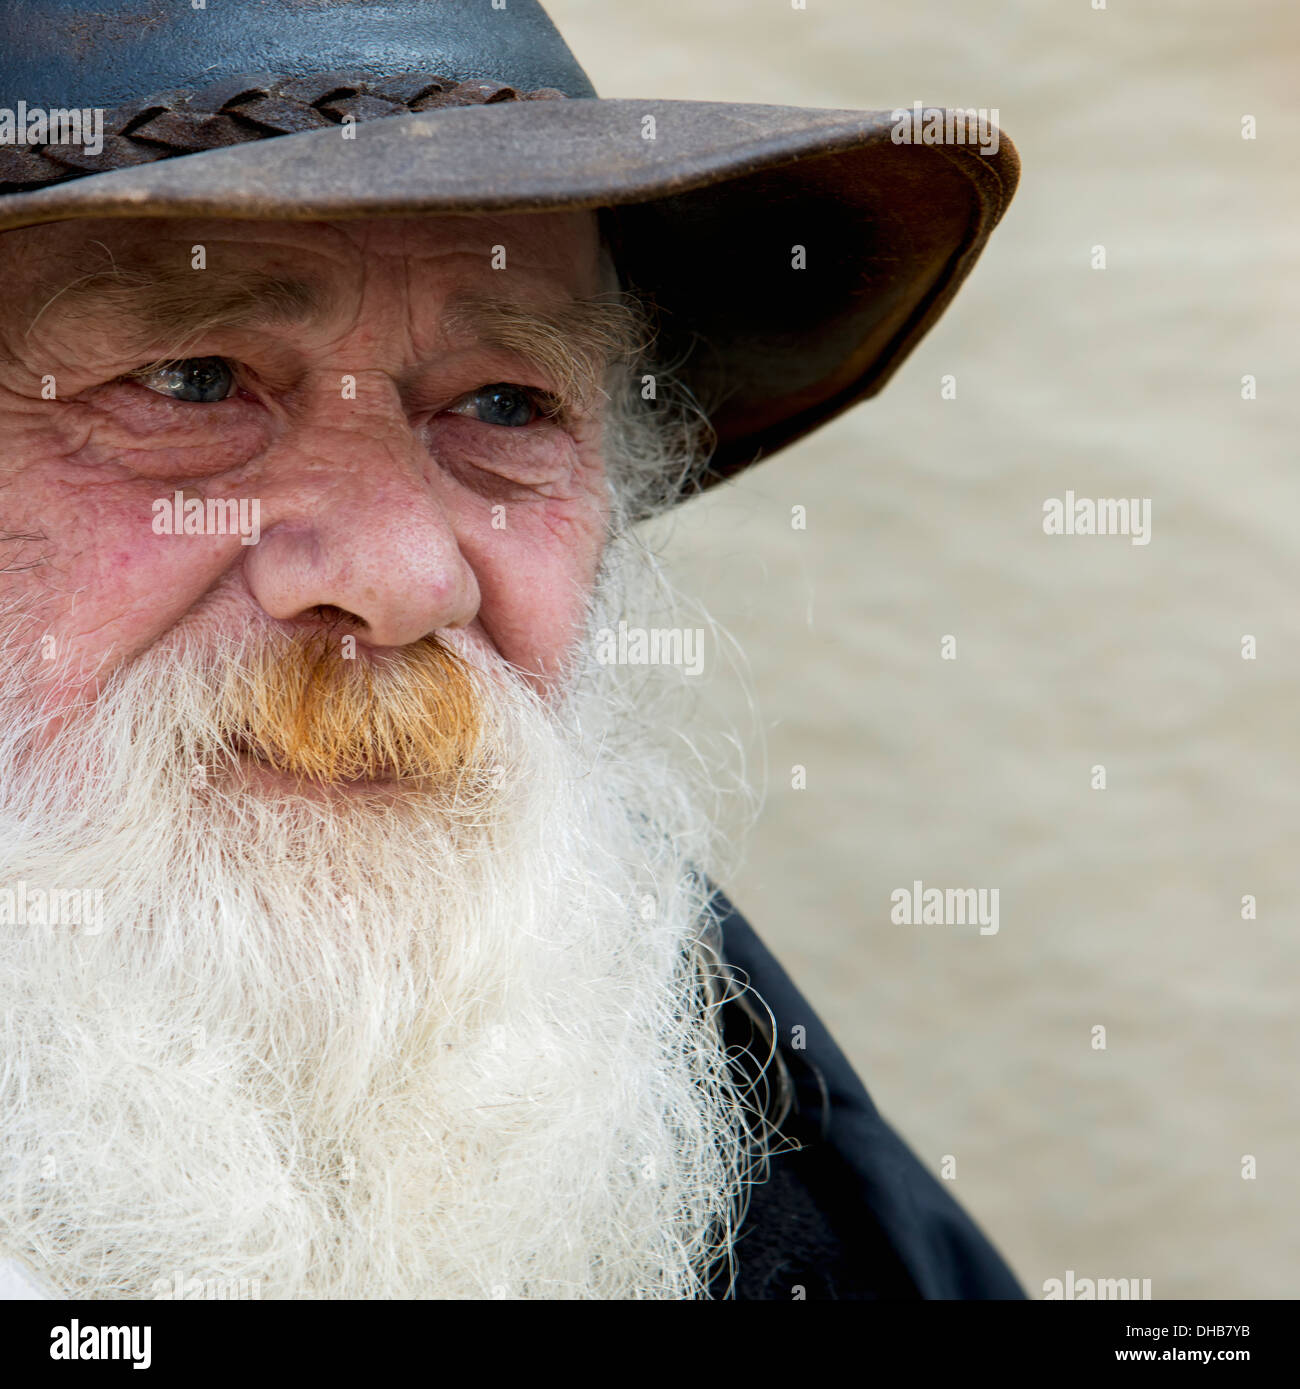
x,y
198,380
510,406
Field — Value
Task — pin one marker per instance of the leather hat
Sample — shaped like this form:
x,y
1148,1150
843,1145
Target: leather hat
x,y
795,255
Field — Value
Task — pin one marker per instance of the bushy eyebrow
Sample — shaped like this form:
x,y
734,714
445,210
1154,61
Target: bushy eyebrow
x,y
573,343
180,305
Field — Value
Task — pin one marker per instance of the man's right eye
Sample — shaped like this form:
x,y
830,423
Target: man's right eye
x,y
194,380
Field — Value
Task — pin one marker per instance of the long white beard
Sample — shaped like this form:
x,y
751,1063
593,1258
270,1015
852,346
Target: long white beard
x,y
359,1050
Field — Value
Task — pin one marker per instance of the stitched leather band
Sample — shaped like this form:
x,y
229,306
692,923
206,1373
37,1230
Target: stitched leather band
x,y
238,109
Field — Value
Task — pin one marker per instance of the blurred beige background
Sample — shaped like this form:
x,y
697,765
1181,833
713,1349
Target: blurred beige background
x,y
1119,907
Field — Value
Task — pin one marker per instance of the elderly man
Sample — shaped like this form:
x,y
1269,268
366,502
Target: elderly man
x,y
357,933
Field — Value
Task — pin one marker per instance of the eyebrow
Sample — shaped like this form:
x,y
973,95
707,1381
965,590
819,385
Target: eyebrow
x,y
573,342
179,305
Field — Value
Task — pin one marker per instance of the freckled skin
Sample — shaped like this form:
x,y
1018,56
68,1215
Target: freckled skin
x,y
381,506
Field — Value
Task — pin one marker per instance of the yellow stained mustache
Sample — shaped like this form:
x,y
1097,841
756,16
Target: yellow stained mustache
x,y
312,709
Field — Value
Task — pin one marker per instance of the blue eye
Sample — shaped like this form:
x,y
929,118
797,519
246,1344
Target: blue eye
x,y
197,380
509,406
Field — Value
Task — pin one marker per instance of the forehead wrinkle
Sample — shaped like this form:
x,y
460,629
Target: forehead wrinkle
x,y
574,342
174,304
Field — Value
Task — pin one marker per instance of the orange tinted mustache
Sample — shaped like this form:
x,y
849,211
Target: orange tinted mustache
x,y
311,710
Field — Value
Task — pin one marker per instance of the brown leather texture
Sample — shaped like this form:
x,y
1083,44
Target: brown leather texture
x,y
236,110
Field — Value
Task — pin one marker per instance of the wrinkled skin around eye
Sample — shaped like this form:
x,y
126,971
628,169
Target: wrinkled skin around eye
x,y
207,380
442,492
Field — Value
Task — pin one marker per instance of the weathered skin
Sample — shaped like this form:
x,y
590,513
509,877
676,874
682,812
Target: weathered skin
x,y
381,506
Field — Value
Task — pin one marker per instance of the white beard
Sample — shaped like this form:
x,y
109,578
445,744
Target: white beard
x,y
356,1050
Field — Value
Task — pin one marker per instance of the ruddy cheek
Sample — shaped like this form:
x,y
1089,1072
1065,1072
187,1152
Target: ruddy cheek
x,y
139,556
130,584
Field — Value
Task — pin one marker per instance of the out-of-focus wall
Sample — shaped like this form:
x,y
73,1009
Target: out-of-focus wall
x,y
1120,908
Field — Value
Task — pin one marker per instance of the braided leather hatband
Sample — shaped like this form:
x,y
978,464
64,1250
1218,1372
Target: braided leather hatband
x,y
238,109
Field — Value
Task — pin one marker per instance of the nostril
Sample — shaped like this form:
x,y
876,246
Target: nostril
x,y
330,616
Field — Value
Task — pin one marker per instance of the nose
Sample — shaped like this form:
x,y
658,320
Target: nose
x,y
352,521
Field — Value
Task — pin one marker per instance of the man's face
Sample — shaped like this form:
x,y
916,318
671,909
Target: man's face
x,y
450,1040
339,376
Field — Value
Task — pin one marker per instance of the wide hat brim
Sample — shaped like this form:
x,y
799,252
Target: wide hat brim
x,y
795,256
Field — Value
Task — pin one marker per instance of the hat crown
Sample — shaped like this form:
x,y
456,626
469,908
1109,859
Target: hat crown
x,y
55,54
